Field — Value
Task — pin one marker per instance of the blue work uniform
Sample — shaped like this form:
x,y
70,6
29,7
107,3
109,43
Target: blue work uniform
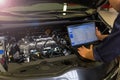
x,y
109,49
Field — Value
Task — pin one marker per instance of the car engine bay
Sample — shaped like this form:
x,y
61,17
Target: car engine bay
x,y
37,44
30,43
44,50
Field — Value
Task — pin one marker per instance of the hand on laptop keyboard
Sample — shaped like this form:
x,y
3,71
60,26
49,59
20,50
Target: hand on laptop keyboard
x,y
86,52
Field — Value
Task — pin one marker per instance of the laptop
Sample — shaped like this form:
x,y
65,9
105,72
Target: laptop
x,y
82,34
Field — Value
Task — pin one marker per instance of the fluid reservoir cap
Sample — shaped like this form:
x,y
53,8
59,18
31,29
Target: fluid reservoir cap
x,y
1,51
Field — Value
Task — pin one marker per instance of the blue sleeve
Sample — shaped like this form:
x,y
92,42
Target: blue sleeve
x,y
109,49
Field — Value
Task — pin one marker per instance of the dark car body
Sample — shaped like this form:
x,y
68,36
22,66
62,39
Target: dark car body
x,y
26,26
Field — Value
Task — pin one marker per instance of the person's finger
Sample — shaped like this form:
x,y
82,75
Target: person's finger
x,y
91,46
83,47
80,47
81,54
96,28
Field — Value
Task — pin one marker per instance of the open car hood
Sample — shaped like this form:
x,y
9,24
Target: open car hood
x,y
16,13
88,3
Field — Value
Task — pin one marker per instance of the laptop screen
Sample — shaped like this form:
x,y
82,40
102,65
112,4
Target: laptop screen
x,y
82,33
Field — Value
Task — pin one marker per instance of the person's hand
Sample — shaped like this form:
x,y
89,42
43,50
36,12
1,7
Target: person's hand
x,y
86,53
99,35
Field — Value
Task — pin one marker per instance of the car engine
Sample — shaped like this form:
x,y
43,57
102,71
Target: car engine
x,y
31,44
